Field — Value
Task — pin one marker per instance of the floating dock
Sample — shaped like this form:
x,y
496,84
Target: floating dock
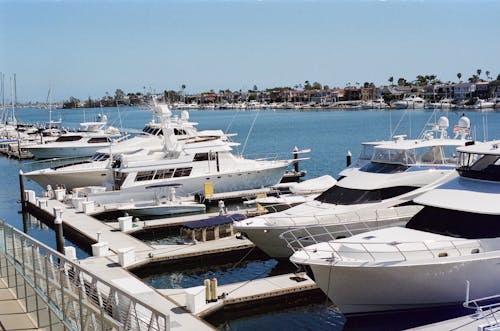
x,y
116,252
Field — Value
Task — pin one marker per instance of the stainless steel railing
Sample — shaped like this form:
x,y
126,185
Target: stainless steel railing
x,y
59,293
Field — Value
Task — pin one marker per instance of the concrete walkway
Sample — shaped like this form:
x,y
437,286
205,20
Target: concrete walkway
x,y
12,313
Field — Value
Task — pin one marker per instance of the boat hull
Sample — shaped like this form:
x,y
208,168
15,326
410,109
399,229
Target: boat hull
x,y
188,186
42,152
70,180
268,238
360,289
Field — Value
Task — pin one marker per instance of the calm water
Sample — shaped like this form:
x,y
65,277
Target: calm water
x,y
330,134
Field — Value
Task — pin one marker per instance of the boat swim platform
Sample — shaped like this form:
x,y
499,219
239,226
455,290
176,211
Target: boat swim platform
x,y
248,292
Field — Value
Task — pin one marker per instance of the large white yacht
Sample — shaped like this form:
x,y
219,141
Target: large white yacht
x,y
411,102
398,172
97,170
189,165
453,240
85,142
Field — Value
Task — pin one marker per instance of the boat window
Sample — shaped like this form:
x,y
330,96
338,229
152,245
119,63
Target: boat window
x,y
100,157
346,196
98,140
156,131
383,168
367,152
68,138
455,223
429,155
182,172
479,166
144,175
179,132
164,173
203,156
400,156
119,179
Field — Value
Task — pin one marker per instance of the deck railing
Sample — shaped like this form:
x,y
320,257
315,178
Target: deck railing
x,y
377,251
59,294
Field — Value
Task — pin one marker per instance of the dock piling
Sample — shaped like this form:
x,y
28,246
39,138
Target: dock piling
x,y
58,226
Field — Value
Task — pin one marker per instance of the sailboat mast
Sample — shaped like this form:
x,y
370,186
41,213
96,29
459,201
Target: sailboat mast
x,y
4,116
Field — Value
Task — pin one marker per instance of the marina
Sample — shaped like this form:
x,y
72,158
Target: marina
x,y
126,254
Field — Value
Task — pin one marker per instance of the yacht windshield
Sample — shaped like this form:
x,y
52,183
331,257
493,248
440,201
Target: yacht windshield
x,y
398,156
455,223
479,166
345,196
383,168
367,152
100,157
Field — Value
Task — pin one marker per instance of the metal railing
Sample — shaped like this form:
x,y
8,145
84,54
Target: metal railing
x,y
51,163
332,250
60,294
337,218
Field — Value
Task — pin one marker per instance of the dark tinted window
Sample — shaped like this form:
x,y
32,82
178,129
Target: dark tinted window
x,y
179,132
68,138
182,172
456,223
203,156
346,196
383,168
98,140
144,175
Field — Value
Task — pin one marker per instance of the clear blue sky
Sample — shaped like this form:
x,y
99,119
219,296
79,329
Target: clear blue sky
x,y
88,48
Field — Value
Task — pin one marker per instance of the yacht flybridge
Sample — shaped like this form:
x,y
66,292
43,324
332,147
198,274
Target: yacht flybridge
x,y
398,172
85,142
453,240
97,170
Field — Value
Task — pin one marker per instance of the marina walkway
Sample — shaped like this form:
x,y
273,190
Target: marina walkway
x,y
13,316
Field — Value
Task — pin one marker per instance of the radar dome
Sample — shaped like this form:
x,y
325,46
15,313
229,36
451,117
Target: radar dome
x,y
464,122
443,122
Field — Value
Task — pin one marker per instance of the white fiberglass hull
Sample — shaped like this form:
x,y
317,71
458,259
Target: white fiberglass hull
x,y
44,152
370,288
268,239
222,182
70,180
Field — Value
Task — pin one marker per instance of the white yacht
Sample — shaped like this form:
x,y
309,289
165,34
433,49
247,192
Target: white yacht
x,y
453,240
443,104
411,102
398,172
85,142
97,170
191,165
483,104
374,104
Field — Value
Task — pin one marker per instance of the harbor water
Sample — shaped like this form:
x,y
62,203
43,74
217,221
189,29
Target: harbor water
x,y
266,133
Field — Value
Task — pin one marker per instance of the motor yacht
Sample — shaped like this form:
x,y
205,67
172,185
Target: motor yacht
x,y
398,172
454,239
191,165
97,170
85,142
483,104
374,104
411,102
443,104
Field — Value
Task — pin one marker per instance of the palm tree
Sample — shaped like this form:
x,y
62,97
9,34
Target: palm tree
x,y
478,71
391,80
183,87
488,75
459,75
